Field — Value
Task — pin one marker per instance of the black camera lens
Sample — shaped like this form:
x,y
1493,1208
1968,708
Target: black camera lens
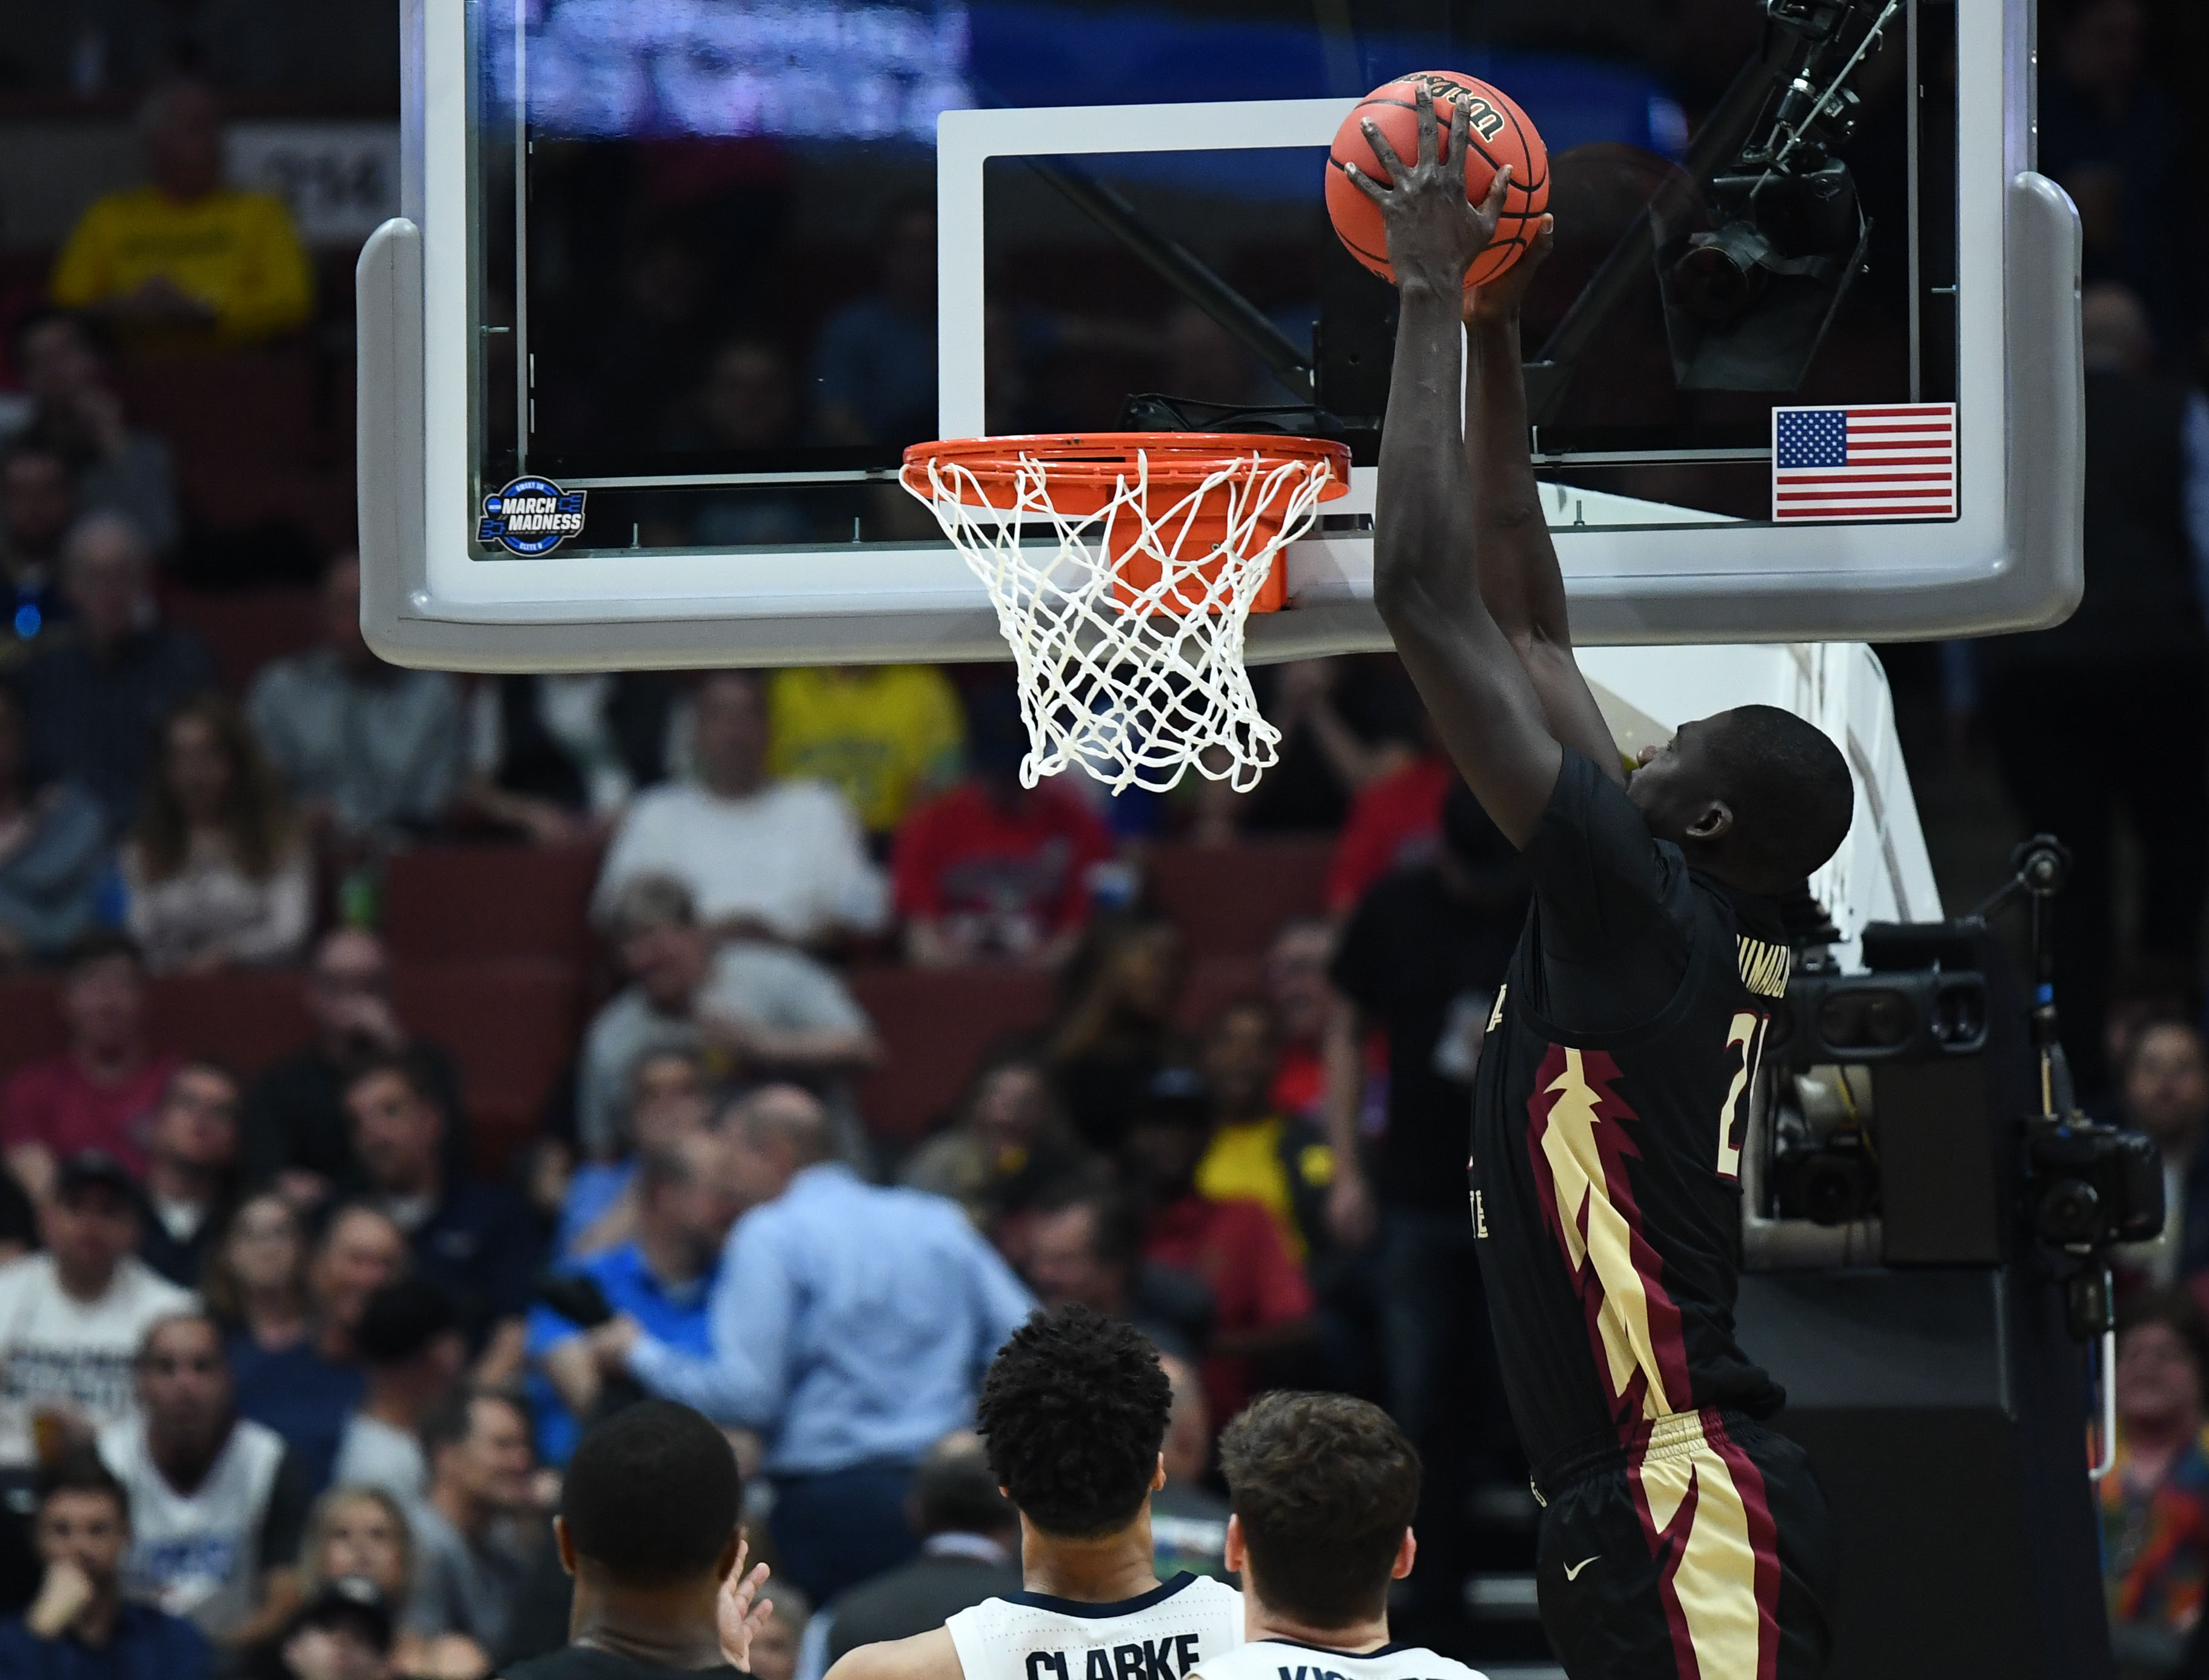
x,y
1866,1020
2070,1212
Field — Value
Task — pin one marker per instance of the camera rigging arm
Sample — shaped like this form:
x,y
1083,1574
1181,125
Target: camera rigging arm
x,y
2093,1185
1775,124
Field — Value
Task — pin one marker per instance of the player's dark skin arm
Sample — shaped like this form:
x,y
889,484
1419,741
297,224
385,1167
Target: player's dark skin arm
x,y
1517,562
1424,581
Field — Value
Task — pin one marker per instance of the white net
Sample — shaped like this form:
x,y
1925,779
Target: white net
x,y
1134,682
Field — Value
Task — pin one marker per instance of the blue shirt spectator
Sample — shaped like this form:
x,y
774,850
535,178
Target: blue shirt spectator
x,y
53,848
78,1626
145,1645
661,1278
850,1326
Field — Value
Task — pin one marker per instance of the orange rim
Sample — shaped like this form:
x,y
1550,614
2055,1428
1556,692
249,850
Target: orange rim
x,y
1174,458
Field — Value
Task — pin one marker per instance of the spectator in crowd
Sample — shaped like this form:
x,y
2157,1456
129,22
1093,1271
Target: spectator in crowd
x,y
367,750
409,1343
1113,1031
363,1533
1188,1521
19,1219
185,259
2114,140
874,365
471,1236
559,756
191,1171
1395,822
2058,703
218,1502
668,1103
81,1627
993,870
296,1136
1262,1307
344,1632
1010,1144
255,1280
92,690
76,410
885,737
99,1092
2163,1091
747,404
849,1357
73,1316
758,1010
1302,999
661,1277
970,1551
39,502
778,859
648,1527
1085,1249
471,1558
53,848
779,1643
1346,724
1421,958
1255,1155
305,1390
216,874
2155,1502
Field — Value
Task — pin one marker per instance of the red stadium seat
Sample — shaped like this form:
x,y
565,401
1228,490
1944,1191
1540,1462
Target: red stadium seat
x,y
30,1024
247,1017
1231,900
1212,984
513,1021
446,903
935,1025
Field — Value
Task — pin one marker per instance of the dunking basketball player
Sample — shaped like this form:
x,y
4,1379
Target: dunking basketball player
x,y
1679,1537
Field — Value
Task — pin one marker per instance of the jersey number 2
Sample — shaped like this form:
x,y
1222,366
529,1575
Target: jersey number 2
x,y
1747,1031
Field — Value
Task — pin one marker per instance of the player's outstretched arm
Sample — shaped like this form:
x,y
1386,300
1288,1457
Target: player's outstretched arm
x,y
1519,578
1424,581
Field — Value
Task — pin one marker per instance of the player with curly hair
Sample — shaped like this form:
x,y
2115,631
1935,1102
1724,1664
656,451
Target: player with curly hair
x,y
1072,1414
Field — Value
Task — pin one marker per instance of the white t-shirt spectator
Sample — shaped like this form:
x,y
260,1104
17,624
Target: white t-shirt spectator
x,y
789,856
56,1353
763,984
374,1454
201,1555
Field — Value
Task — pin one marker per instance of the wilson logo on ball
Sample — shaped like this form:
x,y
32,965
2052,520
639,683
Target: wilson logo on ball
x,y
1483,118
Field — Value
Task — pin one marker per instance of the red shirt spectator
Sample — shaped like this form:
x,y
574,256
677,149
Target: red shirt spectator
x,y
1395,819
1260,1302
100,1092
992,869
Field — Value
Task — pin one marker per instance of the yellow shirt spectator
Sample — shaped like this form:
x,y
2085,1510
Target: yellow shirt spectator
x,y
234,253
1255,1160
885,735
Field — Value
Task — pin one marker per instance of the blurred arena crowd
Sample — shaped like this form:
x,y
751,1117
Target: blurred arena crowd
x,y
401,1070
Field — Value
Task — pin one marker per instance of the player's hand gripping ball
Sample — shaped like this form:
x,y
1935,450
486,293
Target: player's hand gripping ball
x,y
1497,133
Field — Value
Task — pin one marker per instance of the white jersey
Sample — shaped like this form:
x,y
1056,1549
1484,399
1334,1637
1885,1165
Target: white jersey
x,y
197,1555
72,1355
1161,1635
1291,1660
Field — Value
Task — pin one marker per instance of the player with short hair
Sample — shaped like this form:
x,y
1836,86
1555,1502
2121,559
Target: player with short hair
x,y
648,1526
1073,1413
1323,1488
1680,1537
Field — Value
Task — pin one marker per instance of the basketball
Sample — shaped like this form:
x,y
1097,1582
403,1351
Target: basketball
x,y
1500,134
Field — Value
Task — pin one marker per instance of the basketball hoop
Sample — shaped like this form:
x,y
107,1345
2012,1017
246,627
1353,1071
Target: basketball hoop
x,y
1126,620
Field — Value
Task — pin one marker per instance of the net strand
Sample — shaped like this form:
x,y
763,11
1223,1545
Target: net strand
x,y
1134,691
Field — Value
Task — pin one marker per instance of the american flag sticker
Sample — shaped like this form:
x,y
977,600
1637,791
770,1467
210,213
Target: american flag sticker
x,y
1895,461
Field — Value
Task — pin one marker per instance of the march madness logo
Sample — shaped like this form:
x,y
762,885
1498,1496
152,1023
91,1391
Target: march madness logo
x,y
531,516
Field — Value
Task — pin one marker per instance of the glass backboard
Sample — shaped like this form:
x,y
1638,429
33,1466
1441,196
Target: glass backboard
x,y
679,279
